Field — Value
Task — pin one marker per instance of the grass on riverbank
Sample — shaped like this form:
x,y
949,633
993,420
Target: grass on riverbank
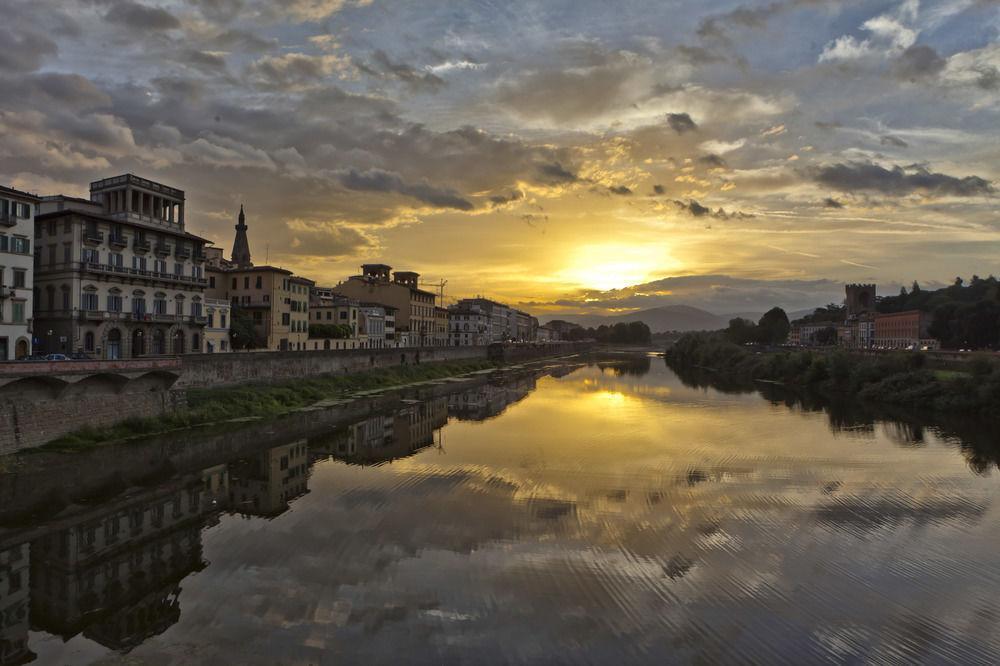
x,y
207,406
893,379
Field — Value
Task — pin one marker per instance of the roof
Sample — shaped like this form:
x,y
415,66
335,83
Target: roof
x,y
104,218
256,269
299,278
11,191
407,273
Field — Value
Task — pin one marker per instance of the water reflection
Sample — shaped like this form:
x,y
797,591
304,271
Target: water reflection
x,y
596,511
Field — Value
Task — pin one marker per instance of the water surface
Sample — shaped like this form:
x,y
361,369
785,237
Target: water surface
x,y
601,513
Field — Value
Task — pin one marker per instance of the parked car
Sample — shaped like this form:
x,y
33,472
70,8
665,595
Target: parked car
x,y
80,356
57,357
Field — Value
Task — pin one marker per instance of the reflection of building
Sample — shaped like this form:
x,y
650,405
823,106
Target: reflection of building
x,y
17,214
114,572
15,611
386,437
264,484
489,400
118,276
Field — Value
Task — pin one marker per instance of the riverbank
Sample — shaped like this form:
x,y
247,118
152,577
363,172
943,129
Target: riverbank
x,y
901,380
261,401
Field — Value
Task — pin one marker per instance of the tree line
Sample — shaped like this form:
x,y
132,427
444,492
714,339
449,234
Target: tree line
x,y
633,332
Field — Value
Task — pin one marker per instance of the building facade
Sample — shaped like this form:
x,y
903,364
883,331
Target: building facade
x,y
468,327
118,276
903,330
217,313
17,228
414,319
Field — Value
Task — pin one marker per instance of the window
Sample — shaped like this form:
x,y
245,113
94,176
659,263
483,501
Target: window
x,y
88,301
260,282
343,314
114,302
20,245
65,298
222,322
234,283
19,278
211,281
285,318
196,272
211,319
258,317
138,263
17,313
267,298
160,304
223,345
88,339
118,261
52,255
246,282
195,309
4,243
138,305
51,226
67,253
91,256
160,266
178,268
67,226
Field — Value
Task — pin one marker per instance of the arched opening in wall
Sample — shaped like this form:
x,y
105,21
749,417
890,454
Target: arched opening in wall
x,y
114,348
159,346
88,341
178,343
326,344
21,348
195,343
138,343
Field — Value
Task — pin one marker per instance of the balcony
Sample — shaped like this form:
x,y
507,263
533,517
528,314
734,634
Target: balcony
x,y
140,244
161,250
93,236
7,292
182,252
199,255
8,219
117,241
151,275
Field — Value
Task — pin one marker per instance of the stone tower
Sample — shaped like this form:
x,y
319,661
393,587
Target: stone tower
x,y
860,299
241,247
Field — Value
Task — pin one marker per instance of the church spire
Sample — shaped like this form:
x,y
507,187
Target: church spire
x,y
241,247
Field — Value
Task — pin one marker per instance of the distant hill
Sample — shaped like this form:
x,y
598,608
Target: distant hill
x,y
664,318
673,318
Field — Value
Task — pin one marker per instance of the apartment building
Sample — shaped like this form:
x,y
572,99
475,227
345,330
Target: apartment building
x,y
117,276
503,320
218,317
17,222
468,327
414,316
441,327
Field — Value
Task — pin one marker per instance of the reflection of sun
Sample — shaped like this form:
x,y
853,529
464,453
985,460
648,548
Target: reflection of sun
x,y
616,265
608,399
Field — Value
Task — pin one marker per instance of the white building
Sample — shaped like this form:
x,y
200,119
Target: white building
x,y
216,337
372,327
17,228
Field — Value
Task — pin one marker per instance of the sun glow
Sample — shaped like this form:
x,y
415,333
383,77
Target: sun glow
x,y
616,265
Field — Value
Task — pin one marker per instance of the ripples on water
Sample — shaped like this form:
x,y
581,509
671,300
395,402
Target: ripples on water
x,y
593,513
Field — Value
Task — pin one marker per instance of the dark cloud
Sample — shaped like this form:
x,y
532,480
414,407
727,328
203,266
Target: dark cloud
x,y
695,209
712,160
918,62
556,174
141,17
504,199
989,78
383,67
893,141
699,55
830,202
827,125
378,180
59,90
290,70
242,40
898,181
218,10
718,27
533,219
658,189
23,50
203,60
621,190
681,122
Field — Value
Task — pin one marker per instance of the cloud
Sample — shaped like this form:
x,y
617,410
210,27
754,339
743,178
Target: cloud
x,y
556,174
918,62
621,190
830,202
293,70
695,209
898,181
681,123
141,18
378,180
383,67
500,200
24,50
713,161
893,141
325,238
659,189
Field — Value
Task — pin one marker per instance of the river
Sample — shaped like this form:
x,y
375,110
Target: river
x,y
585,513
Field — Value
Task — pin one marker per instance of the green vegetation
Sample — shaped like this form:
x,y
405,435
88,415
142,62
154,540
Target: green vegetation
x,y
631,333
334,331
892,379
263,401
242,332
772,329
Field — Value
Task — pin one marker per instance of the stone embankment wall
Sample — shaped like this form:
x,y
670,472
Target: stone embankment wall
x,y
38,405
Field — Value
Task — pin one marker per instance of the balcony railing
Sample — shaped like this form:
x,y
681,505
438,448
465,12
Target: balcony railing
x,y
106,315
8,219
153,275
162,249
182,252
93,236
140,244
117,241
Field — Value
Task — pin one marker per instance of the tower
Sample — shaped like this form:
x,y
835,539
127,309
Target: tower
x,y
860,299
241,247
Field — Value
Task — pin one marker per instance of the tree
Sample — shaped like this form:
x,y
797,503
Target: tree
x,y
242,333
741,331
915,289
773,327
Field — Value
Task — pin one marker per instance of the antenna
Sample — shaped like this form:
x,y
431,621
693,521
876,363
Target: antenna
x,y
440,287
267,253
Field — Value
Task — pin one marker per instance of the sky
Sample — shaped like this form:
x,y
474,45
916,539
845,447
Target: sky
x,y
576,156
